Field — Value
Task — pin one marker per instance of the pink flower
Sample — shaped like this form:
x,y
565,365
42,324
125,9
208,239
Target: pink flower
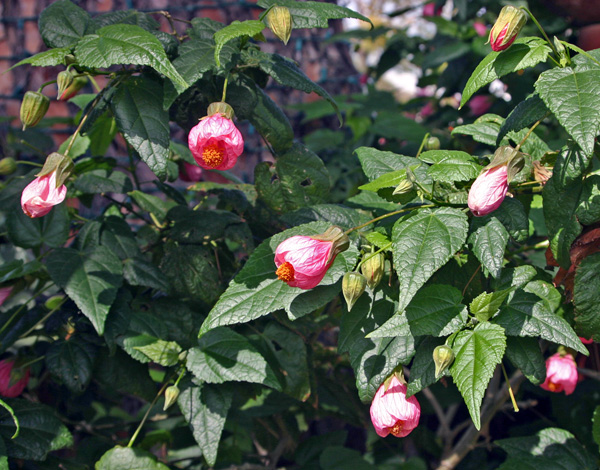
x,y
216,143
488,191
586,341
13,380
392,412
41,195
480,28
480,104
190,173
303,261
4,293
430,10
561,374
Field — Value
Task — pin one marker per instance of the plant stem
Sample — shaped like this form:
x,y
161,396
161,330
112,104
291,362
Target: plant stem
x,y
371,255
510,391
537,123
139,428
422,144
44,85
390,214
225,88
20,309
533,18
45,317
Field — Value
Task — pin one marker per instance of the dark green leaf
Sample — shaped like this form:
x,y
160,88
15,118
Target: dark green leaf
x,y
588,211
342,458
512,215
128,458
62,24
137,106
225,356
16,268
103,181
91,279
332,213
524,53
127,44
524,115
376,163
46,58
478,352
571,164
121,373
138,271
205,409
117,236
52,229
525,353
126,17
489,243
451,165
586,297
71,362
153,204
235,30
422,370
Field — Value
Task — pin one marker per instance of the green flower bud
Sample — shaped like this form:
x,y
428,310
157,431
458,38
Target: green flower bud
x,y
7,166
77,84
171,395
443,358
53,302
433,143
33,108
507,27
373,269
280,22
353,285
63,81
221,108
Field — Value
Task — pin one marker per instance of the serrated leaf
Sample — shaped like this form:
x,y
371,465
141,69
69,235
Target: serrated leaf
x,y
487,304
342,458
512,215
137,106
243,300
40,430
122,44
586,297
570,166
307,14
17,268
573,96
376,163
62,24
165,353
47,58
588,211
525,314
126,17
524,115
525,354
394,178
524,53
52,229
489,243
128,458
205,410
117,236
422,244
477,353
138,271
379,240
103,181
235,30
451,165
91,279
153,204
422,370
71,362
550,448
485,129
223,355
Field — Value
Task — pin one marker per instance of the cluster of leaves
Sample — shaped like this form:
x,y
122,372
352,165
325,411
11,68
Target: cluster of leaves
x,y
169,285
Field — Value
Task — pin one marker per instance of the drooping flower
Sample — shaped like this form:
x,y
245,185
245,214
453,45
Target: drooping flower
x,y
13,380
41,195
507,27
302,261
488,191
480,104
479,28
561,374
215,142
392,412
190,173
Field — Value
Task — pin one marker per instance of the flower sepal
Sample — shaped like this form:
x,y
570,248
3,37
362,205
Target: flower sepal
x,y
335,235
221,108
59,163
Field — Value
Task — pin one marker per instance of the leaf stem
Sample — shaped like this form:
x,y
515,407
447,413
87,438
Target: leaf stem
x,y
537,123
20,309
510,390
371,255
390,214
44,318
422,145
550,43
139,428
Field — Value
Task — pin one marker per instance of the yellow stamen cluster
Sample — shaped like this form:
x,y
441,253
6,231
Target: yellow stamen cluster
x,y
212,156
285,272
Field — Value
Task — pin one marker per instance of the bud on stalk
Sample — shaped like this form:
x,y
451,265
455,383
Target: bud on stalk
x,y
507,27
433,143
280,22
443,358
63,80
33,108
353,286
77,84
171,395
373,268
7,166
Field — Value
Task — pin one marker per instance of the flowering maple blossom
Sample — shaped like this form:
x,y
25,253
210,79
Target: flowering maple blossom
x,y
216,143
488,191
393,413
13,380
41,195
561,374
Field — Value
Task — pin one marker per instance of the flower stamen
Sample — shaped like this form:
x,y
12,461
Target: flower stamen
x,y
212,156
285,272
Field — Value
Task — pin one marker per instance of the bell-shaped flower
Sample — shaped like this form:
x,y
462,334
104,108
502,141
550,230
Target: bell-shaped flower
x,y
41,195
216,143
13,380
190,173
488,191
561,374
392,412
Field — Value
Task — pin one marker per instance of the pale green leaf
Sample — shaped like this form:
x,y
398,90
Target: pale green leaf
x,y
451,165
128,458
489,243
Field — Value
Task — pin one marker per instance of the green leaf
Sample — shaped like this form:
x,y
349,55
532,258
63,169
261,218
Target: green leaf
x,y
128,458
297,179
422,244
477,352
91,279
422,370
487,304
573,97
205,410
333,213
235,30
71,362
47,58
243,300
103,181
117,236
40,430
393,125
390,180
122,44
571,164
3,456
588,211
17,268
223,355
551,449
586,297
122,373
138,271
489,243
512,215
451,165
342,458
313,14
165,353
524,53
137,106
80,145
62,24
524,115
526,314
52,229
376,163
525,353
127,17
153,204
485,129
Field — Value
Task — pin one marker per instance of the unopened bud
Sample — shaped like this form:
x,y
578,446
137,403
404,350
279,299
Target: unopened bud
x,y
54,302
433,143
33,108
7,166
280,22
63,80
221,108
507,27
443,358
171,395
353,285
77,84
373,268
